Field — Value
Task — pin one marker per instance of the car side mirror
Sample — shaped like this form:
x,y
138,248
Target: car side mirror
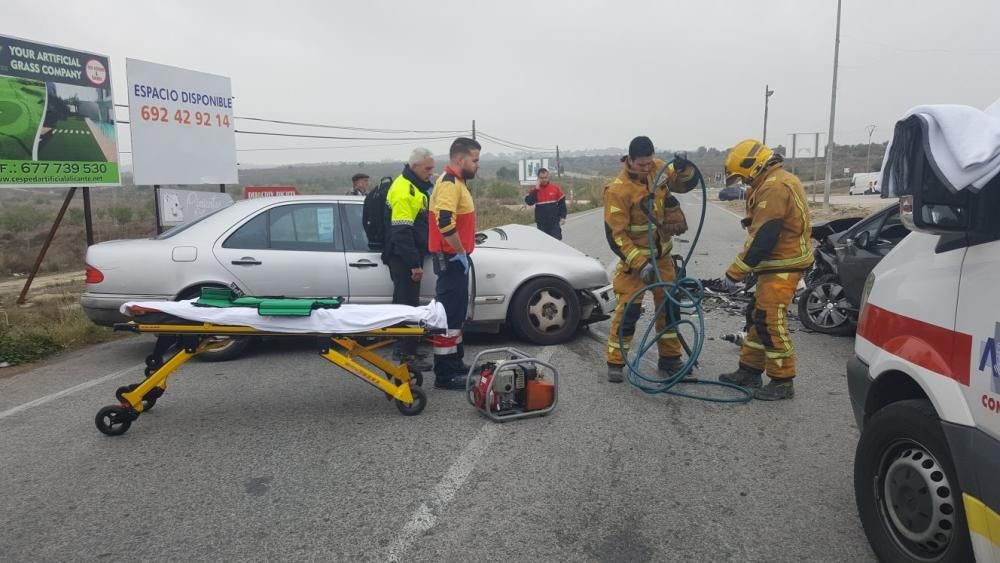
x,y
863,240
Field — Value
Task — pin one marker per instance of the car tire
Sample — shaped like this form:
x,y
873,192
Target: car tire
x,y
238,345
907,492
820,290
545,311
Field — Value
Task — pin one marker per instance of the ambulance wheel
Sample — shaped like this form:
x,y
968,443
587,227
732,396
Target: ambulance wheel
x,y
418,404
114,420
147,402
908,494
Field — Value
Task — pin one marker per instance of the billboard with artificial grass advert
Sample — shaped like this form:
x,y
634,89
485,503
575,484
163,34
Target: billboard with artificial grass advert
x,y
57,117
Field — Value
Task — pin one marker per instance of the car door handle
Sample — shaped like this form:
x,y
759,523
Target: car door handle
x,y
363,264
246,261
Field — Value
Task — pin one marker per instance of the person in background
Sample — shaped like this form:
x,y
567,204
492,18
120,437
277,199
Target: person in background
x,y
550,205
406,243
359,183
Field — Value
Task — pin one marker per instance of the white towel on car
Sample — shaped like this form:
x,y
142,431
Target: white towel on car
x,y
347,319
962,142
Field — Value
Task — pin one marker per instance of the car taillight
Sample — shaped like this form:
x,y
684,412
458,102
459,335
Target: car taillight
x,y
94,275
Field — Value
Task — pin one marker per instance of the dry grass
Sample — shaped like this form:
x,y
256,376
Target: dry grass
x,y
52,323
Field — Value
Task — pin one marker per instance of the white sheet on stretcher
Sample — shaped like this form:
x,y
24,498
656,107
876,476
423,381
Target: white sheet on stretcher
x,y
347,319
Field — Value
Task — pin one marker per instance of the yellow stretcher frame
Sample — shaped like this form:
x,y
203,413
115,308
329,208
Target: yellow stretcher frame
x,y
396,380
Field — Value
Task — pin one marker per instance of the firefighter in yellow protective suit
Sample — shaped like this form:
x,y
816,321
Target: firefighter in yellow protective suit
x,y
778,251
629,200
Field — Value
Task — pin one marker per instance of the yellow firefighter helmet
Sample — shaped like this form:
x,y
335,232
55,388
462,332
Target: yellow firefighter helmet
x,y
746,160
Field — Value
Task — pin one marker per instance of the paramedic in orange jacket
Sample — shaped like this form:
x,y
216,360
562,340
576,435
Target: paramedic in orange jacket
x,y
778,251
626,225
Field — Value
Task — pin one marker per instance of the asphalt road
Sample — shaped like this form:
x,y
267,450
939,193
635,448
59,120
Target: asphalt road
x,y
278,456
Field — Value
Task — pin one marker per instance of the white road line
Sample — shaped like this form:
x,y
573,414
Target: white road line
x,y
733,213
70,391
427,514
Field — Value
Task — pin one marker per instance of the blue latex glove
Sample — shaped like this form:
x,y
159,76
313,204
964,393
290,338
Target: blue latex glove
x,y
462,259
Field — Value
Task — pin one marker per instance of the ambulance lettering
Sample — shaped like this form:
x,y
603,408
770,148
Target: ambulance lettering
x,y
988,360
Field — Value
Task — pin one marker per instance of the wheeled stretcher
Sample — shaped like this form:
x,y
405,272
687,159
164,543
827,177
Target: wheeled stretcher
x,y
181,338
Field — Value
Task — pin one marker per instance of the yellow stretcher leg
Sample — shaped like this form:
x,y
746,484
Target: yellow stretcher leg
x,y
160,376
401,373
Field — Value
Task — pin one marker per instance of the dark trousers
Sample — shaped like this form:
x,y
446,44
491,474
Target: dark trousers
x,y
452,292
405,291
554,230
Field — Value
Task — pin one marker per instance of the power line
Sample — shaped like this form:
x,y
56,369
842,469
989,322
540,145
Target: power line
x,y
347,128
328,137
505,142
373,145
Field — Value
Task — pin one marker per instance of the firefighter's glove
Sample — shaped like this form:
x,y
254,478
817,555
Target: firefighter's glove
x,y
648,274
729,285
674,222
681,162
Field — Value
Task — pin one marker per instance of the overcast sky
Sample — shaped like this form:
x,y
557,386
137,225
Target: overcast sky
x,y
582,74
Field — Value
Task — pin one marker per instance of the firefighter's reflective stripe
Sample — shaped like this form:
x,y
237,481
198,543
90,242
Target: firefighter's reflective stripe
x,y
754,345
803,260
669,336
742,266
636,252
639,228
447,343
783,326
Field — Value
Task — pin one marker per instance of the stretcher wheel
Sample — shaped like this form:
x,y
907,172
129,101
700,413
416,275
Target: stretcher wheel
x,y
417,378
147,402
418,404
114,420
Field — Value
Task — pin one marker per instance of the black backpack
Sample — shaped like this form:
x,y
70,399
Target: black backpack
x,y
375,215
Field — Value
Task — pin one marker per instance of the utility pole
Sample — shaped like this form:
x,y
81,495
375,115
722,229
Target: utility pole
x,y
815,168
871,131
767,94
833,115
473,129
558,164
792,156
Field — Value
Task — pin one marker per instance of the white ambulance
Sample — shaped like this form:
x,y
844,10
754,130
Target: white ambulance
x,y
925,382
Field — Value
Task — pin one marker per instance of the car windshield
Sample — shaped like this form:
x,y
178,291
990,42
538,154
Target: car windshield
x,y
181,228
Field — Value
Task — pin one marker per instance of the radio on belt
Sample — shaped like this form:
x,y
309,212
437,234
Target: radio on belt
x,y
507,384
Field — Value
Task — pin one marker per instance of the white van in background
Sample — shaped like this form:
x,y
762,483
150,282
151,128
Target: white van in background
x,y
864,184
925,382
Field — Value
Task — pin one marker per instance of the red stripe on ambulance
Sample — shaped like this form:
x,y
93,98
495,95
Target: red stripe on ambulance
x,y
943,351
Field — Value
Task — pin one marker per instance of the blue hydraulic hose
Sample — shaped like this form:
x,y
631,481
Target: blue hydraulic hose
x,y
683,295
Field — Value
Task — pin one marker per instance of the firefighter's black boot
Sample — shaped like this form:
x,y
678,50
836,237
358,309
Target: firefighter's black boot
x,y
744,377
616,373
775,390
669,366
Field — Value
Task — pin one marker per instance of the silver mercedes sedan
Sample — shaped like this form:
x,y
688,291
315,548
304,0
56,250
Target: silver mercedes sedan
x,y
315,246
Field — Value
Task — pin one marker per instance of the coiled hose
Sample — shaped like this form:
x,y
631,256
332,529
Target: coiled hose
x,y
683,296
